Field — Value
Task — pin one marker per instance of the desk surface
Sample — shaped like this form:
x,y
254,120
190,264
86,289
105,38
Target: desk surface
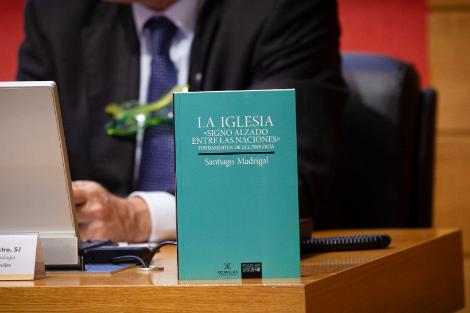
x,y
422,271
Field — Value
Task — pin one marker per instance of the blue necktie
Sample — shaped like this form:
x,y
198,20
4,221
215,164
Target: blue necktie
x,y
157,162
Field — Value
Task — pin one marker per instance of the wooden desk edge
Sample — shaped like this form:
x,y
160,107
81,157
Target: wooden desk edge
x,y
426,275
418,276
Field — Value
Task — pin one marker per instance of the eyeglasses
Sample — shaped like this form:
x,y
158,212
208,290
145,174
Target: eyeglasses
x,y
131,116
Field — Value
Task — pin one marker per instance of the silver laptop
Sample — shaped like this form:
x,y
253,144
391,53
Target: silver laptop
x,y
35,187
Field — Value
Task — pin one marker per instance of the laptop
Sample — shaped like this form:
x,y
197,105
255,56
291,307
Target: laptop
x,y
35,185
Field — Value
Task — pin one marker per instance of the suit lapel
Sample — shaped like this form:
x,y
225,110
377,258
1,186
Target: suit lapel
x,y
111,53
110,56
206,28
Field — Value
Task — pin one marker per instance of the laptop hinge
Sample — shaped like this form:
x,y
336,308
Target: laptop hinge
x,y
60,249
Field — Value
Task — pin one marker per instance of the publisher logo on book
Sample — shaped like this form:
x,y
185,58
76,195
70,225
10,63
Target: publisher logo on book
x,y
252,270
228,271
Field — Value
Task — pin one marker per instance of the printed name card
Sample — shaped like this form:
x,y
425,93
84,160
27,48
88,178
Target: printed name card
x,y
21,257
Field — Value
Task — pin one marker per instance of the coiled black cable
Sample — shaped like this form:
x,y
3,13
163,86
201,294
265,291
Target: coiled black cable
x,y
345,243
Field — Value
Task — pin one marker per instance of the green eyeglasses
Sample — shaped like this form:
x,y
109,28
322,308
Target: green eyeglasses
x,y
131,116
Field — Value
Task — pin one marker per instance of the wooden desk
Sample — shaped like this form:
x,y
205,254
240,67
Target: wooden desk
x,y
420,272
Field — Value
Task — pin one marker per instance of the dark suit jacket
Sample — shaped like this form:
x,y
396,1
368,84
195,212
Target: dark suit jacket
x,y
90,48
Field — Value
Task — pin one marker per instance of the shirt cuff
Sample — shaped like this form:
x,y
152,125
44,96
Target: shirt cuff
x,y
162,206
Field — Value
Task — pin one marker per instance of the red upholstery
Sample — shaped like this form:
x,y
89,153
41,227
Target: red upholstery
x,y
11,34
393,27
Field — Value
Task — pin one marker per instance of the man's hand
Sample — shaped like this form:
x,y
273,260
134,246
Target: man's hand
x,y
102,215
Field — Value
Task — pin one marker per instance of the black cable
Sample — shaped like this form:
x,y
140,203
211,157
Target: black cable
x,y
140,261
345,243
130,258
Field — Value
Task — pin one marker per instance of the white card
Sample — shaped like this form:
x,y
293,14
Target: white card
x,y
21,257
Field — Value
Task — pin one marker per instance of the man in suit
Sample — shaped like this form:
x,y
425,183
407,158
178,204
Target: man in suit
x,y
96,52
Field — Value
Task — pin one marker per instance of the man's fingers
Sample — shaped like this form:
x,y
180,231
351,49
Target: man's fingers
x,y
101,215
83,229
84,201
80,192
83,215
92,231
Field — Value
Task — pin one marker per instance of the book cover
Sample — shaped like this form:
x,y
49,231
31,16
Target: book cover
x,y
236,184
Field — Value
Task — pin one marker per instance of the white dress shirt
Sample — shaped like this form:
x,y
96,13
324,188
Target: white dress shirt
x,y
183,14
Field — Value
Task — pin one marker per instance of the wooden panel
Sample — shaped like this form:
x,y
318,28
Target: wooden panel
x,y
467,285
452,187
446,4
401,278
449,56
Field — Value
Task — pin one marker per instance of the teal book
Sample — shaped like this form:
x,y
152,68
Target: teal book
x,y
236,184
